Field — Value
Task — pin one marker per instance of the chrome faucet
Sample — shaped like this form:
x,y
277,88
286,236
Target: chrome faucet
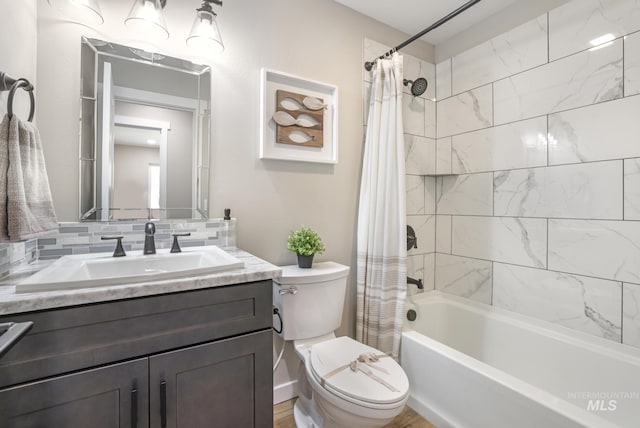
x,y
149,241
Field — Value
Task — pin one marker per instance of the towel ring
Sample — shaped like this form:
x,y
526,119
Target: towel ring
x,y
21,83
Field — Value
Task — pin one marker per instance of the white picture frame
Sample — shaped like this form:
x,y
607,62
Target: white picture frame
x,y
270,82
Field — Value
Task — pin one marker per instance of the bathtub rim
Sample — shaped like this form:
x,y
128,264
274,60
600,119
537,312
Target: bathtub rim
x,y
540,396
609,347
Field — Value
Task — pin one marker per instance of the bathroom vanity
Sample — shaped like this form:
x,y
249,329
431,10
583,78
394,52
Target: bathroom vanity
x,y
191,352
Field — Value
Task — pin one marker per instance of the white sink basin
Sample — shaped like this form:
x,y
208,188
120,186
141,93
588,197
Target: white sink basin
x,y
95,270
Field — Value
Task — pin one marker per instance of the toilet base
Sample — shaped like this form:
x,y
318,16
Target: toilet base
x,y
305,414
317,408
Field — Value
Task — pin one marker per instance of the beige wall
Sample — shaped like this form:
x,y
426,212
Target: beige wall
x,y
18,29
131,175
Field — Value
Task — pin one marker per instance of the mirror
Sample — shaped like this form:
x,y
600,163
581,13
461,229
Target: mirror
x,y
144,135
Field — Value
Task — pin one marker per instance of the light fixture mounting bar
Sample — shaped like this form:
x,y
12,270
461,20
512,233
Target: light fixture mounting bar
x,y
206,6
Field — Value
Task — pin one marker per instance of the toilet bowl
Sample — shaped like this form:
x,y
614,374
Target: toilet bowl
x,y
342,383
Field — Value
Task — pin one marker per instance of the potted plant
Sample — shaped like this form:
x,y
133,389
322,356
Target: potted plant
x,y
305,243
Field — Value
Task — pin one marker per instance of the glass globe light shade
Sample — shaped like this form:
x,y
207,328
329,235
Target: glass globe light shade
x,y
205,34
82,11
146,18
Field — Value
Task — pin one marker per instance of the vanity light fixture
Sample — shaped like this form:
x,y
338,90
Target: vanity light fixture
x,y
83,11
146,17
205,34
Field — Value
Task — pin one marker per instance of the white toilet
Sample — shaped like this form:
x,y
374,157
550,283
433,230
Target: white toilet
x,y
334,389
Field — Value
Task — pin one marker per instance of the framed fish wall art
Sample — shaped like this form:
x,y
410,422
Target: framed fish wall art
x,y
298,119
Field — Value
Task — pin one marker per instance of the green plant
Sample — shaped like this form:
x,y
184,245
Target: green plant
x,y
305,241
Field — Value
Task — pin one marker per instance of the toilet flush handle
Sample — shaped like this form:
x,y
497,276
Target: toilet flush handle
x,y
291,290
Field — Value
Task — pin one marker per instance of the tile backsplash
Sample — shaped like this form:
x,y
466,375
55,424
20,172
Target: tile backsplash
x,y
542,216
84,238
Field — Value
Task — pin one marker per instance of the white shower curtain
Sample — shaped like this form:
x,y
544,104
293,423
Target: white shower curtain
x,y
382,251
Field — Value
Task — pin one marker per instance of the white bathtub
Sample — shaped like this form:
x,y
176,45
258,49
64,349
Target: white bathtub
x,y
476,366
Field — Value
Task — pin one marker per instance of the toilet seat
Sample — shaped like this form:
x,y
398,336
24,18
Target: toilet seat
x,y
329,363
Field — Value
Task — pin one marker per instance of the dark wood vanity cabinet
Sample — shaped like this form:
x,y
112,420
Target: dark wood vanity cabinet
x,y
184,360
106,397
227,383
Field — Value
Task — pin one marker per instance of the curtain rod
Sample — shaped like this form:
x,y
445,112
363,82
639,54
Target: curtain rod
x,y
369,64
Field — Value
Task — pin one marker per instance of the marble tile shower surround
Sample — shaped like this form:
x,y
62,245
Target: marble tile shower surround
x,y
542,216
465,277
631,314
573,26
517,50
587,304
84,238
515,145
632,64
465,112
590,190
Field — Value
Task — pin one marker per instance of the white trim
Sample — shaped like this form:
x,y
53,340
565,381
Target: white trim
x,y
122,93
108,110
285,391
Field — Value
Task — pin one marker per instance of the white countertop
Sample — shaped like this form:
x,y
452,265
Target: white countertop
x,y
255,269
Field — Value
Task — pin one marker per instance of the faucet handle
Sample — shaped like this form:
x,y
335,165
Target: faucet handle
x,y
175,247
119,251
149,228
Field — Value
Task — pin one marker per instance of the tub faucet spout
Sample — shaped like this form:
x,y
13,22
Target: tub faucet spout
x,y
417,282
149,240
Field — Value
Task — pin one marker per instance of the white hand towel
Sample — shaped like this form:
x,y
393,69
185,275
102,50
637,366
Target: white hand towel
x,y
26,207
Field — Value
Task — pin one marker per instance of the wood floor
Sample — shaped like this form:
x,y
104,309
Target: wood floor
x,y
283,418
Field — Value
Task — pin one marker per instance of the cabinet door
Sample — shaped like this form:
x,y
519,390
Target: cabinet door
x,y
110,397
228,383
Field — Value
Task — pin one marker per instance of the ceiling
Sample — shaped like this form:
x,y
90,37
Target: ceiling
x,y
413,16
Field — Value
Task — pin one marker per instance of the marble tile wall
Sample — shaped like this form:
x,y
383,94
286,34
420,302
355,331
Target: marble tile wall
x,y
515,145
632,64
465,277
578,80
421,152
465,112
542,214
520,49
577,25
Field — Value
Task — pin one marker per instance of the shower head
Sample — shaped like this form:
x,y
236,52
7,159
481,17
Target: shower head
x,y
418,86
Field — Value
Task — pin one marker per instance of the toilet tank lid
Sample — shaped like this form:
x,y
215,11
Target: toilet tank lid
x,y
320,272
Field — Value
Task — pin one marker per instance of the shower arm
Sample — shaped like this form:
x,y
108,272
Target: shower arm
x,y
369,64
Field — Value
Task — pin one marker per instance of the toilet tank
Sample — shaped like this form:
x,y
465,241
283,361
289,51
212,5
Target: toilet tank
x,y
310,301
